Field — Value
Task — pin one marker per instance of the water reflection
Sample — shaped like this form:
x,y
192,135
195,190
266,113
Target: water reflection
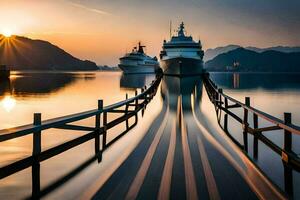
x,y
186,87
256,80
104,128
134,81
32,84
8,103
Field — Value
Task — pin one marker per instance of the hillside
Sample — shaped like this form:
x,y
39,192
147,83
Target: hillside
x,y
212,53
21,53
244,60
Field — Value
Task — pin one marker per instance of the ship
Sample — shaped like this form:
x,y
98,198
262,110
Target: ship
x,y
137,62
181,56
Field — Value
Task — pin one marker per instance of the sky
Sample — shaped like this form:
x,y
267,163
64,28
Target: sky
x,y
103,30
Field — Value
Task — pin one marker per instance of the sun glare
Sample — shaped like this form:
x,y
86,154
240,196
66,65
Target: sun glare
x,y
6,32
8,103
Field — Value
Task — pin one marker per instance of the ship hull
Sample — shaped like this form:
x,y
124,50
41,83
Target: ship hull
x,y
145,69
181,66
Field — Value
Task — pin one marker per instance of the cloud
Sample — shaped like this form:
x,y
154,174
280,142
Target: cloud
x,y
101,12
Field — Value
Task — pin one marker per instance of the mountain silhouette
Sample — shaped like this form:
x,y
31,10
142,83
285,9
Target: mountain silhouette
x,y
21,53
212,53
243,60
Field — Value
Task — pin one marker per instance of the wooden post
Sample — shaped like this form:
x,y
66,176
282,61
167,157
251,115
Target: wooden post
x,y
143,97
136,107
245,124
288,172
97,131
36,183
255,140
104,130
126,96
288,180
226,123
287,138
220,90
37,119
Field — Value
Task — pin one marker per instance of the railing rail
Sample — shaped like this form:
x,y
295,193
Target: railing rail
x,y
102,125
226,103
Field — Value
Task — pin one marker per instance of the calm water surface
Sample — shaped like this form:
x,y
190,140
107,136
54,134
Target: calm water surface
x,y
58,94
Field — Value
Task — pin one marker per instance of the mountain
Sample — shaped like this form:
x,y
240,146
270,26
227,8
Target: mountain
x,y
21,53
244,60
283,49
212,53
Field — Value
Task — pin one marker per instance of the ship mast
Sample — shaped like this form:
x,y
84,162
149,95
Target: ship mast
x,y
170,29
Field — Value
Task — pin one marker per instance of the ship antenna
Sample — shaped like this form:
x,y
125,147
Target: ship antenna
x,y
170,29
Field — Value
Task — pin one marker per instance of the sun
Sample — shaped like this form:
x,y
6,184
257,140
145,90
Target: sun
x,y
7,32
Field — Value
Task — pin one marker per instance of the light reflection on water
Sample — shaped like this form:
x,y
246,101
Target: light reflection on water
x,y
58,94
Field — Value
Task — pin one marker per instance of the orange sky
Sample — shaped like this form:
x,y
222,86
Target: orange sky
x,y
102,31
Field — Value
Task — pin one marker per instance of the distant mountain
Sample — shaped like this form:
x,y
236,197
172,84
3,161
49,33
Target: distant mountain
x,y
283,49
212,53
244,60
107,68
21,53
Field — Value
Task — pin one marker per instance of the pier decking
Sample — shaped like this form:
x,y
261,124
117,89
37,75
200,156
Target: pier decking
x,y
179,157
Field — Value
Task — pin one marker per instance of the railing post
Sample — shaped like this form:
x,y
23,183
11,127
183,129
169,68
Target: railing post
x,y
136,106
126,96
287,136
226,123
104,130
288,172
37,119
255,140
97,130
245,124
219,103
143,97
220,90
226,103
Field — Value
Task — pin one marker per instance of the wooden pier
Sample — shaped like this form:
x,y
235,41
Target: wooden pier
x,y
178,157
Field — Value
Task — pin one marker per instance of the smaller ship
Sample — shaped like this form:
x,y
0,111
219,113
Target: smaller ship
x,y
4,72
137,62
182,56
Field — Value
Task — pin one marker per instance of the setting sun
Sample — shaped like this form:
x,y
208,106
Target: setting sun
x,y
6,32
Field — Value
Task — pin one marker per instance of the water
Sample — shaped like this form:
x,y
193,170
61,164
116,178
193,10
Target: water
x,y
58,94
274,94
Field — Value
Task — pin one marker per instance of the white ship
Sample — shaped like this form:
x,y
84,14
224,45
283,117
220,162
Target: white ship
x,y
137,62
182,56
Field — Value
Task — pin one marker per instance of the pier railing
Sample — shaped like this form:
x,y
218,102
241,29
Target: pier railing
x,y
226,103
126,109
223,102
